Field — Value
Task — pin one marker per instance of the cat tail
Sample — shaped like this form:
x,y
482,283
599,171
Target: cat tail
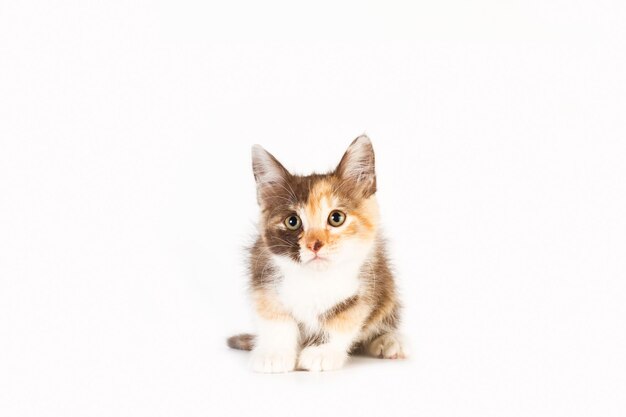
x,y
244,341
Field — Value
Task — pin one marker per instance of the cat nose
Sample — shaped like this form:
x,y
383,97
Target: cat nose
x,y
315,246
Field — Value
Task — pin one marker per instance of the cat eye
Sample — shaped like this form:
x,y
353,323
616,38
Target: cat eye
x,y
336,218
293,222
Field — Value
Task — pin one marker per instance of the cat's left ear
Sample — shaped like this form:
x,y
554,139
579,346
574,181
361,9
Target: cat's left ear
x,y
268,173
357,167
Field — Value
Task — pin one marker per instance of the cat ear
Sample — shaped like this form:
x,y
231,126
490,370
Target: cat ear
x,y
357,166
267,171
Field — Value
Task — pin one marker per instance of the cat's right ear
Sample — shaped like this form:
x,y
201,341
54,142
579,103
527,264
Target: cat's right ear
x,y
268,172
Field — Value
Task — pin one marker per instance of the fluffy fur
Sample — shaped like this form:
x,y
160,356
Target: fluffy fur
x,y
321,291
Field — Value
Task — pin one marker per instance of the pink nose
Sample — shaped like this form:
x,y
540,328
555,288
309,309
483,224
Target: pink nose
x,y
315,246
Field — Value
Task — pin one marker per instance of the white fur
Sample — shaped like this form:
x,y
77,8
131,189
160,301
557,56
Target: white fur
x,y
276,347
326,357
308,290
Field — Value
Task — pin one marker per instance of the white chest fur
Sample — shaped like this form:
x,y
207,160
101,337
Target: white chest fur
x,y
308,293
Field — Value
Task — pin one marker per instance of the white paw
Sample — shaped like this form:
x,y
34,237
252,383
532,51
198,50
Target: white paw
x,y
273,361
321,358
388,346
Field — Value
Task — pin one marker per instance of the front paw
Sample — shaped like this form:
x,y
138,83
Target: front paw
x,y
273,360
388,346
323,357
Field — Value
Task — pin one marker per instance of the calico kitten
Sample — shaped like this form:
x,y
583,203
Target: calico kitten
x,y
319,276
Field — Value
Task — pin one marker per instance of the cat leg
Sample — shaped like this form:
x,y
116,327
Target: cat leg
x,y
276,345
388,346
341,330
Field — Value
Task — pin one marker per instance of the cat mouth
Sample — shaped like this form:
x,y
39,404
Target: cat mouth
x,y
317,259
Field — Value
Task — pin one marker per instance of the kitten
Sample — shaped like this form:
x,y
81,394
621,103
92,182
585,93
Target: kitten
x,y
319,276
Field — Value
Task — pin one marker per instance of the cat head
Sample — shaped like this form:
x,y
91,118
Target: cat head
x,y
318,220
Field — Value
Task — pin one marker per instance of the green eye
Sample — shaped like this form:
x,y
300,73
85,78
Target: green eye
x,y
336,218
293,222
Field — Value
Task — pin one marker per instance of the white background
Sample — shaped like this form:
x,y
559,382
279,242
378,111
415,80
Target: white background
x,y
126,197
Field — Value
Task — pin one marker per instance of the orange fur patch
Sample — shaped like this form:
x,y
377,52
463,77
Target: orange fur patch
x,y
268,307
383,311
367,214
348,320
321,201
